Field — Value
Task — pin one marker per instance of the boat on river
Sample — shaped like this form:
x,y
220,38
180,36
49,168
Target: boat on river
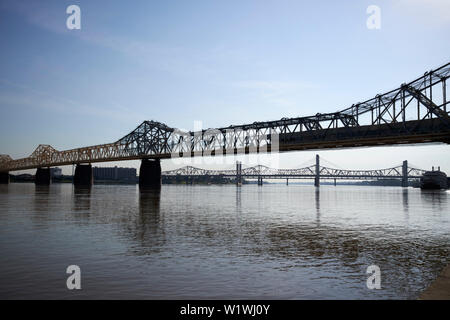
x,y
434,180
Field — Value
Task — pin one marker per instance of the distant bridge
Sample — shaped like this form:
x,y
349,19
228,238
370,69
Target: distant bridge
x,y
402,172
415,112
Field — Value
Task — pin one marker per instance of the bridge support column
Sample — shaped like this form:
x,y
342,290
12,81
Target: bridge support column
x,y
42,177
4,177
287,181
260,181
150,173
405,174
317,178
335,182
83,175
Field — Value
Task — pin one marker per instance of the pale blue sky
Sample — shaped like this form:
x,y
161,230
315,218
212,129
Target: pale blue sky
x,y
219,62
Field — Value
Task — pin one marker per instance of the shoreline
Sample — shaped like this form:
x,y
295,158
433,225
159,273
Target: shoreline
x,y
439,289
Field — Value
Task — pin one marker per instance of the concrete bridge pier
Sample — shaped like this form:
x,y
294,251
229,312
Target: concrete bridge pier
x,y
317,177
287,181
42,177
4,177
260,181
150,173
83,175
405,174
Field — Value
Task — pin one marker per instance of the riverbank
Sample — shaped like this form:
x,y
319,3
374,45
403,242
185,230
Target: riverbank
x,y
439,288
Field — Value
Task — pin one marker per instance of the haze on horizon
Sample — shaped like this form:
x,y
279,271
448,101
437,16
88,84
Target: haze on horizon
x,y
221,63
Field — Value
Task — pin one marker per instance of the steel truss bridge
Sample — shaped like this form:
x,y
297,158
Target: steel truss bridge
x,y
309,172
415,112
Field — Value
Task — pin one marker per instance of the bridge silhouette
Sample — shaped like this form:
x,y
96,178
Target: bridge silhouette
x,y
415,112
316,171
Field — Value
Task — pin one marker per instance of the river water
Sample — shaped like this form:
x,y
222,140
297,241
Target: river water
x,y
221,242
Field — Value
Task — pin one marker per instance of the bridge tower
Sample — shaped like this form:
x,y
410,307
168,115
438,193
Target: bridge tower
x,y
42,177
317,177
405,174
150,173
4,177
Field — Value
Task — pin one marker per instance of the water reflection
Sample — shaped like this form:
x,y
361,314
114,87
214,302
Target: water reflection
x,y
438,198
406,263
227,242
41,198
82,199
42,203
403,261
435,196
4,188
149,200
317,198
238,199
42,189
407,260
405,202
148,229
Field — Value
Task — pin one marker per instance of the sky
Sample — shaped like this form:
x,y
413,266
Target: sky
x,y
218,62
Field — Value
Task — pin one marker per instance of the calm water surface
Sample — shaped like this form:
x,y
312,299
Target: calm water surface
x,y
208,242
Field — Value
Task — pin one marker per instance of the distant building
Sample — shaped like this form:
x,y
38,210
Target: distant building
x,y
114,173
55,172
